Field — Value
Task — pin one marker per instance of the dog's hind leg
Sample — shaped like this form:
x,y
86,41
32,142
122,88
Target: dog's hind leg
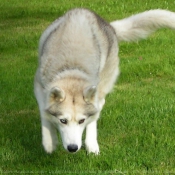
x,y
91,138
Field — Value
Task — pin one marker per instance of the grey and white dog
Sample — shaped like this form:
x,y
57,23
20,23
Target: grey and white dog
x,y
78,66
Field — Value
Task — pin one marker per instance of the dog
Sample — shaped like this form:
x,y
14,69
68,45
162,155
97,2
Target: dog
x,y
78,66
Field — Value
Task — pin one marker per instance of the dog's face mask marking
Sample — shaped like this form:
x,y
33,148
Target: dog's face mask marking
x,y
71,114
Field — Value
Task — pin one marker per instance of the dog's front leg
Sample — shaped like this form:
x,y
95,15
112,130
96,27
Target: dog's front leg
x,y
91,138
49,136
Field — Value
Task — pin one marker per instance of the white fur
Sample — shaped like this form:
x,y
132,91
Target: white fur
x,y
78,66
139,26
71,134
91,138
49,135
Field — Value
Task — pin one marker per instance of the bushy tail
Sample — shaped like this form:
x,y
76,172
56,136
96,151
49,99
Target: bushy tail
x,y
139,26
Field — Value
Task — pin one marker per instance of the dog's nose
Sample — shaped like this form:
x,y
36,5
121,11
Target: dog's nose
x,y
72,148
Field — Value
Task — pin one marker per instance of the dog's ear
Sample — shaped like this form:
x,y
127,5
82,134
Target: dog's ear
x,y
89,94
56,95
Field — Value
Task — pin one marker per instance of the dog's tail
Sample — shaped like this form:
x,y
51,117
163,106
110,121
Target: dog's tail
x,y
139,26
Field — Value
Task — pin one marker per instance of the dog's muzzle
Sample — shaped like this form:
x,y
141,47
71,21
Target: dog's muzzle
x,y
72,148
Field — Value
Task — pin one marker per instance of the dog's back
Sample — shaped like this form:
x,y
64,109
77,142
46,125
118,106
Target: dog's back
x,y
78,40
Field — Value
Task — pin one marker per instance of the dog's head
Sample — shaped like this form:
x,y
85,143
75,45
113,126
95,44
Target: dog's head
x,y
71,110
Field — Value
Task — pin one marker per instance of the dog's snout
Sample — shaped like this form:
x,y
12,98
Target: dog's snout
x,y
72,148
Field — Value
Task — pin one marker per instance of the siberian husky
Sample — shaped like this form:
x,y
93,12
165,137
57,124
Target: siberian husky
x,y
78,66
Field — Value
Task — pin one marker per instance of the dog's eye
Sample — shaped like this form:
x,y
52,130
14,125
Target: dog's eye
x,y
64,121
81,121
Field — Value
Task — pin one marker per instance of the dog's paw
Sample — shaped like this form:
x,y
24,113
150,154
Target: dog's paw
x,y
49,147
92,147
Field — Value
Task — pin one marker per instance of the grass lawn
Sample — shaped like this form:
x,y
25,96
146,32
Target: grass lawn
x,y
136,131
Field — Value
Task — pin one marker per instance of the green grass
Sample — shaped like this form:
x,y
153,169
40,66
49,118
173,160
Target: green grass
x,y
136,130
